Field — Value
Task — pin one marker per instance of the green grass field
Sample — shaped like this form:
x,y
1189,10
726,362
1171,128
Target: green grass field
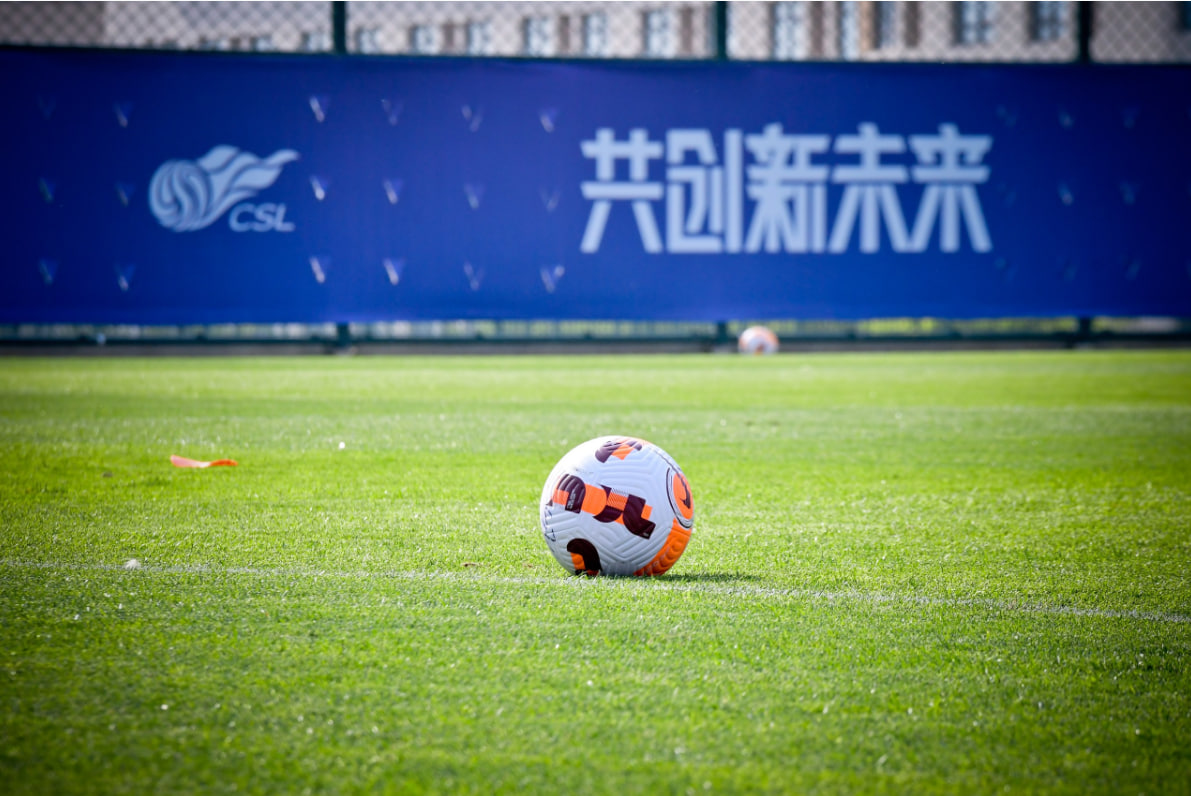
x,y
913,573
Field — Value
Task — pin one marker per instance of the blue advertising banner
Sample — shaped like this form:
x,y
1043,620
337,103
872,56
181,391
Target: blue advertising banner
x,y
180,188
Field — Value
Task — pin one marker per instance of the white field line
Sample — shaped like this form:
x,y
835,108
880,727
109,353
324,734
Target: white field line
x,y
740,590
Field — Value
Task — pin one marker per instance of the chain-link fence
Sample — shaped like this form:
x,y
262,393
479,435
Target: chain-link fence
x,y
786,30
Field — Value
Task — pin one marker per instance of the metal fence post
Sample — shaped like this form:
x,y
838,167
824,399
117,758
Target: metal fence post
x,y
1084,25
721,31
339,27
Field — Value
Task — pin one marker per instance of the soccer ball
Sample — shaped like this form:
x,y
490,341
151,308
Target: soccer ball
x,y
757,340
618,506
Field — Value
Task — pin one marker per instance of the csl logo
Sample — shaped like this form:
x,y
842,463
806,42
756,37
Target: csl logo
x,y
189,195
259,218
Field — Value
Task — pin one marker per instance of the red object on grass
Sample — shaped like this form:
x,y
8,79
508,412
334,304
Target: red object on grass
x,y
182,461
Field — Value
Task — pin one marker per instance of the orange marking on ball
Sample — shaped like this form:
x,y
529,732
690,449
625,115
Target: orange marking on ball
x,y
682,496
623,451
594,499
670,552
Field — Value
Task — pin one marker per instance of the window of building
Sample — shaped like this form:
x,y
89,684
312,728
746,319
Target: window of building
x,y
539,36
913,26
479,37
367,40
566,39
595,34
660,36
884,24
261,44
789,31
1185,16
849,30
974,22
315,41
217,43
424,40
686,31
1047,21
452,41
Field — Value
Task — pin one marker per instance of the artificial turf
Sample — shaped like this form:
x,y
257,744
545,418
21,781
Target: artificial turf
x,y
918,573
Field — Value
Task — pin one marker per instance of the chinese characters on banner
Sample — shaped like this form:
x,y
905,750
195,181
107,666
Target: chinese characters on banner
x,y
785,177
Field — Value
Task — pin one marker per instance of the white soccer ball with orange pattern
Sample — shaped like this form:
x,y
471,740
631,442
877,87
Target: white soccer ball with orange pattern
x,y
617,506
757,340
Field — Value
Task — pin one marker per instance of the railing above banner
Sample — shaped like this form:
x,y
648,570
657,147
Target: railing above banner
x,y
158,188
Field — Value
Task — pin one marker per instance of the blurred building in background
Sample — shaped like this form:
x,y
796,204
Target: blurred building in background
x,y
786,30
